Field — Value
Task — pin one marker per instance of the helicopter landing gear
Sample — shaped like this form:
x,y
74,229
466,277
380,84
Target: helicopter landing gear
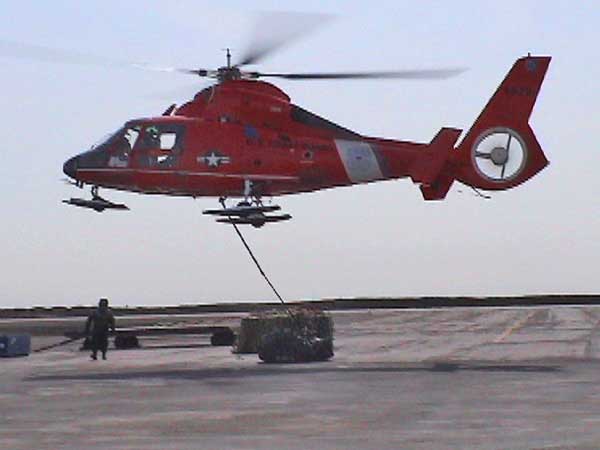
x,y
248,189
252,195
250,211
97,203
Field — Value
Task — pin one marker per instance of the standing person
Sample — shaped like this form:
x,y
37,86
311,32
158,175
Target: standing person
x,y
97,327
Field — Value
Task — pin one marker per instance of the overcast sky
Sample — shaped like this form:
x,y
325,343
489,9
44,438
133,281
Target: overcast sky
x,y
375,240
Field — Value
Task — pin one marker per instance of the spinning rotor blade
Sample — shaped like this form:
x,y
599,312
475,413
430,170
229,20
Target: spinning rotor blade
x,y
199,72
182,92
21,50
431,74
271,32
274,30
507,155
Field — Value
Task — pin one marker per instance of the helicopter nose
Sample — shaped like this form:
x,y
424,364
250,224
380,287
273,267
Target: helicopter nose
x,y
70,167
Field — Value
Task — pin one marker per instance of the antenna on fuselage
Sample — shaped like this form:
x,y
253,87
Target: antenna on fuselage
x,y
228,54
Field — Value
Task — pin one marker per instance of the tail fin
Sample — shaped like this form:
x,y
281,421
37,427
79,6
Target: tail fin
x,y
430,169
501,151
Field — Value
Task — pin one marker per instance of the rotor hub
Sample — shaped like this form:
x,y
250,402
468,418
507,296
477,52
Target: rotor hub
x,y
499,155
228,73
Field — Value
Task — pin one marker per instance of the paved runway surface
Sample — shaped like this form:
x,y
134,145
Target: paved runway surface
x,y
426,379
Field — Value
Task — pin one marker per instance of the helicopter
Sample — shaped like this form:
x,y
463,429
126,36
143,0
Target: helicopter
x,y
243,138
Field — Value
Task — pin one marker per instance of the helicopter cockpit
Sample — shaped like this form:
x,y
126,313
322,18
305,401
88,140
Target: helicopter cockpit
x,y
138,145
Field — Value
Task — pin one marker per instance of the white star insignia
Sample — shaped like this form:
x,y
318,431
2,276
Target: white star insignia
x,y
213,159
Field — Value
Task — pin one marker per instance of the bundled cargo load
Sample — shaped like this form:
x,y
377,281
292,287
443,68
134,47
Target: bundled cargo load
x,y
293,335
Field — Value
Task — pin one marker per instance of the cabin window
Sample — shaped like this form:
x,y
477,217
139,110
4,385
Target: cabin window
x,y
167,141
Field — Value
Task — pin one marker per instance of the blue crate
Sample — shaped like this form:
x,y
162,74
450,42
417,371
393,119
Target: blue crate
x,y
15,345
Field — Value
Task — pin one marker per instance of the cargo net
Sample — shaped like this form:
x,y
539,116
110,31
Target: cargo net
x,y
285,336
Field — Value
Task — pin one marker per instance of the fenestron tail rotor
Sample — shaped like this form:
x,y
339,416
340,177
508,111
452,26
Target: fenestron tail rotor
x,y
499,154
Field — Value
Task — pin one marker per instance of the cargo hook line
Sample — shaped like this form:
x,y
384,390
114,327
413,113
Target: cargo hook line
x,y
260,269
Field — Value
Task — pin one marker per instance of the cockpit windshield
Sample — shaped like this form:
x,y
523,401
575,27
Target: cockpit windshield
x,y
103,140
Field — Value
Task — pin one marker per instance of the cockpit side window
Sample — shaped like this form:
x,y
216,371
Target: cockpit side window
x,y
161,145
132,134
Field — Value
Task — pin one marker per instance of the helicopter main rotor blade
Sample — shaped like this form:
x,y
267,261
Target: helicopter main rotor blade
x,y
198,72
274,30
432,74
21,50
183,93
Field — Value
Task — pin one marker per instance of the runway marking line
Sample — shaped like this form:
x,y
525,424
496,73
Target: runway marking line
x,y
515,327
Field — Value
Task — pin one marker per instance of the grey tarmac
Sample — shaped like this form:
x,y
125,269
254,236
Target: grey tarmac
x,y
455,378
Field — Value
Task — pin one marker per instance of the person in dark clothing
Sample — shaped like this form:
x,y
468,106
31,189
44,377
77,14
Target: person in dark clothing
x,y
97,328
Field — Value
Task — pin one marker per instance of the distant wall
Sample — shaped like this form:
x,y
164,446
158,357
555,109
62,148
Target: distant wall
x,y
329,304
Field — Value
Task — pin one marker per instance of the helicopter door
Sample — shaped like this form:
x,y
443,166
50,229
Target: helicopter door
x,y
160,147
157,158
359,160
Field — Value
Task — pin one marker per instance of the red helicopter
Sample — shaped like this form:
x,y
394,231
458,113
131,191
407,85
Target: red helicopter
x,y
243,138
